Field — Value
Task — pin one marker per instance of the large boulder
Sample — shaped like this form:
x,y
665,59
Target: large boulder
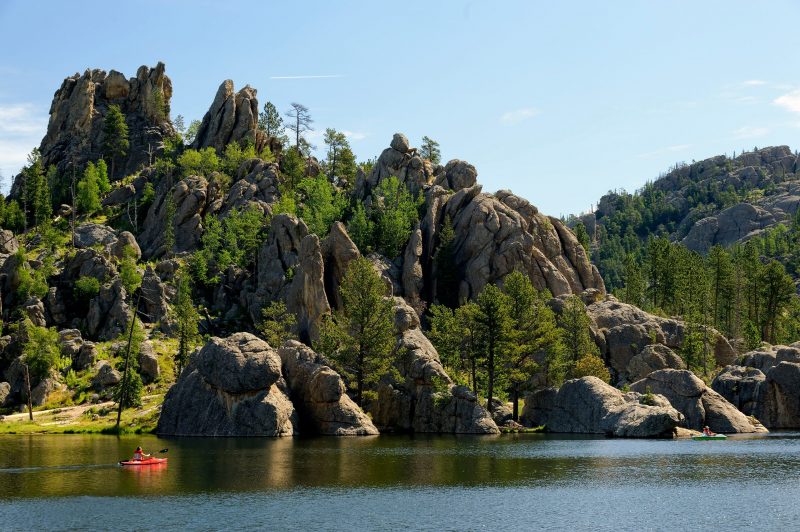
x,y
232,387
700,405
75,130
8,242
108,315
232,117
779,404
622,331
89,235
156,297
105,375
318,393
653,358
729,226
398,160
257,184
741,386
338,251
590,406
424,398
456,175
5,394
148,362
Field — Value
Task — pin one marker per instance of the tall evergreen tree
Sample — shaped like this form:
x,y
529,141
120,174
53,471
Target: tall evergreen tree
x,y
495,326
88,196
430,150
270,121
576,326
115,136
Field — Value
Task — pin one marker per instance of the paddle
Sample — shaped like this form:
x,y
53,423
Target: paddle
x,y
163,451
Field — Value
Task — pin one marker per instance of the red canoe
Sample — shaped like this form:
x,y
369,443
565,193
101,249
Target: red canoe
x,y
147,462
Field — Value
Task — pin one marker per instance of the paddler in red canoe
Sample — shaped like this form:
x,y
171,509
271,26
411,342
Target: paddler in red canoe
x,y
139,455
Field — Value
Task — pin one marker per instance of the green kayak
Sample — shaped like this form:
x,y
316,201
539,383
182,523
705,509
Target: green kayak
x,y
714,437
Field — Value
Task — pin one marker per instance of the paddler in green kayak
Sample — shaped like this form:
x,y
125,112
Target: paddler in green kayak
x,y
707,431
139,455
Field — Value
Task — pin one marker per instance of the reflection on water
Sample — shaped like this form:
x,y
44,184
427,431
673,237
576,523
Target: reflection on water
x,y
386,474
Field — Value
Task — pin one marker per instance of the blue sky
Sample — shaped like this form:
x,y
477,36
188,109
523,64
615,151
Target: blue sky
x,y
557,101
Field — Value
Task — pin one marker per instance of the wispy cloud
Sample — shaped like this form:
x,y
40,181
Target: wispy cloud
x,y
750,132
753,82
22,126
518,115
789,101
320,76
663,151
355,135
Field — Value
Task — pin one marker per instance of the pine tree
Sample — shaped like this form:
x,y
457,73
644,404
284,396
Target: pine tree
x,y
278,324
115,136
430,150
270,121
186,320
445,266
495,325
358,340
88,196
576,326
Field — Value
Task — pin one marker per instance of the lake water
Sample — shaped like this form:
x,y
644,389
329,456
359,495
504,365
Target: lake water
x,y
401,482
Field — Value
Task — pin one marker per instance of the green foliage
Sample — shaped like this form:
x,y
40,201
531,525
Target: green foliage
x,y
159,104
191,131
341,163
270,121
395,213
430,150
13,217
278,324
576,326
232,241
321,204
170,210
41,351
582,235
592,366
495,334
234,156
358,339
88,196
199,162
128,393
361,229
285,205
293,167
86,287
186,318
36,190
128,272
103,182
32,281
115,135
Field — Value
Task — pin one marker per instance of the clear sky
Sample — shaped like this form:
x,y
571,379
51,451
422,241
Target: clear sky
x,y
557,101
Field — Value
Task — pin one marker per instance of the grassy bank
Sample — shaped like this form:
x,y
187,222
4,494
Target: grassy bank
x,y
99,418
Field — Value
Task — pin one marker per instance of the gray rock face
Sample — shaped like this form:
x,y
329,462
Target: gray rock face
x,y
338,251
590,406
82,353
34,310
497,234
191,197
232,117
108,312
731,225
8,242
87,263
699,404
457,174
741,386
622,331
74,133
257,184
156,297
425,398
88,235
41,392
318,393
232,387
106,375
5,394
779,404
398,160
125,242
148,363
306,293
653,358
412,277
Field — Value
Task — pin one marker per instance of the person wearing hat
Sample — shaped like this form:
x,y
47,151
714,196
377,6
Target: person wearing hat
x,y
139,455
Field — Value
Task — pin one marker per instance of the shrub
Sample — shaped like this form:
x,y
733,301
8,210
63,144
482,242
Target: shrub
x,y
591,366
87,287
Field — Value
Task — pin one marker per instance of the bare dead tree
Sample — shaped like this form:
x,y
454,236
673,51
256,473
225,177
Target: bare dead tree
x,y
301,121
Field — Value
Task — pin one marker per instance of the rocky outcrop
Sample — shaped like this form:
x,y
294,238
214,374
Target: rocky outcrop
x,y
741,386
653,358
5,394
700,405
456,175
8,242
590,406
149,367
257,184
398,160
779,398
622,331
318,393
734,224
291,269
108,312
82,353
190,197
90,235
75,131
338,251
424,398
156,297
232,387
232,117
105,375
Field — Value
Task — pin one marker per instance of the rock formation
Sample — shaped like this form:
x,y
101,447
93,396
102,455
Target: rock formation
x,y
700,405
232,117
233,387
318,393
590,406
622,331
424,398
75,131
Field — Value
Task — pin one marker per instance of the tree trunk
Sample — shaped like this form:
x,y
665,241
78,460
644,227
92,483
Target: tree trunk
x,y
515,400
360,377
490,363
28,391
127,364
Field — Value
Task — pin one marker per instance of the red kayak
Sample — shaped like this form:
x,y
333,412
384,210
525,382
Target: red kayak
x,y
146,462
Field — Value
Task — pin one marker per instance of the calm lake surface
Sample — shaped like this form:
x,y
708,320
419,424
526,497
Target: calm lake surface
x,y
395,482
